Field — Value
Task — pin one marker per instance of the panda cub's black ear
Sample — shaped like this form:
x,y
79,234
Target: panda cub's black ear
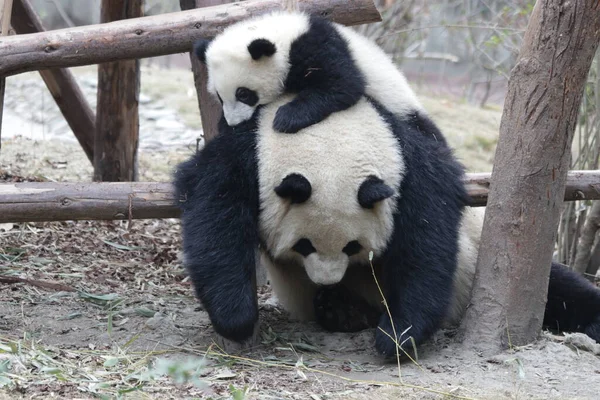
x,y
261,47
200,49
372,191
294,187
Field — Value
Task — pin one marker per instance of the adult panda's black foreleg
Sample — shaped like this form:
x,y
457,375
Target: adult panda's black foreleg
x,y
573,303
218,191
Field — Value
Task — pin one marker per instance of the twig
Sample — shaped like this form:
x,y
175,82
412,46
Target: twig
x,y
41,284
4,28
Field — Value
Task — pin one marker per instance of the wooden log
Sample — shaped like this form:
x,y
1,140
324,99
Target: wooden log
x,y
117,120
154,36
52,201
210,108
61,83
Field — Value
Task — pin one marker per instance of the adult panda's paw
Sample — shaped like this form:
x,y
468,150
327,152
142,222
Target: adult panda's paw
x,y
235,321
291,119
593,329
386,346
338,309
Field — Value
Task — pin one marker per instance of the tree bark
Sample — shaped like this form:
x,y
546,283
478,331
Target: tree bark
x,y
154,36
117,121
61,83
530,170
210,108
57,201
586,240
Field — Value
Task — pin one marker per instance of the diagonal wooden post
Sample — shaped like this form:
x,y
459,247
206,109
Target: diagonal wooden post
x,y
210,109
6,10
61,83
117,120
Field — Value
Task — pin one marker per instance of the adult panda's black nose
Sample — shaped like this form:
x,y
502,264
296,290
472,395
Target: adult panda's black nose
x,y
352,248
304,247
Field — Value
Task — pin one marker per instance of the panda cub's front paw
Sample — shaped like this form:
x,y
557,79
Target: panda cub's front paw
x,y
289,119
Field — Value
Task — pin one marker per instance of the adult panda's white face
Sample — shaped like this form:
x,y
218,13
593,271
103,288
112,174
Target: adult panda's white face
x,y
328,192
248,62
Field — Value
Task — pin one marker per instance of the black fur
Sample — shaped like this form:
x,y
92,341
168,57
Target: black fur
x,y
261,47
294,187
573,303
373,190
426,126
200,49
220,204
324,76
421,259
218,192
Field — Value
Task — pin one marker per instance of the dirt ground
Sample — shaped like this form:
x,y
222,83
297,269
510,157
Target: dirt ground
x,y
96,309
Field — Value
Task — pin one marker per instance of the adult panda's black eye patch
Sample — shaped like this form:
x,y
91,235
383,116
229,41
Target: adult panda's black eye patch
x,y
304,247
372,191
294,187
352,248
246,96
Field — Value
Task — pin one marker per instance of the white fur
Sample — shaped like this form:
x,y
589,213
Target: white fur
x,y
385,82
336,156
230,65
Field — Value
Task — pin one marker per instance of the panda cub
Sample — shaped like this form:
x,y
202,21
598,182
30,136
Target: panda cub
x,y
329,66
315,204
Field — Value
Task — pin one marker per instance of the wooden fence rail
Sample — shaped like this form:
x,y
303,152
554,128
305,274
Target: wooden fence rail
x,y
50,201
153,36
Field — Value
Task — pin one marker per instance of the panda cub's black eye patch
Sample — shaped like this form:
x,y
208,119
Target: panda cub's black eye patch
x,y
246,96
352,248
304,247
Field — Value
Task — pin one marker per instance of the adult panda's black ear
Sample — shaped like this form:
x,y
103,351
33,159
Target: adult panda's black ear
x,y
261,47
200,49
372,191
294,187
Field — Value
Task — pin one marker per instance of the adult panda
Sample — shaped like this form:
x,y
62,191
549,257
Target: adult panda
x,y
329,66
316,203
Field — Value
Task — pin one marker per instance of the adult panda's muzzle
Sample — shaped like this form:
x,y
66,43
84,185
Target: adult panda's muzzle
x,y
326,270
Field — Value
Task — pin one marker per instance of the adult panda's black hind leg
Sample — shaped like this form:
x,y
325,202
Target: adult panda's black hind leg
x,y
573,303
338,309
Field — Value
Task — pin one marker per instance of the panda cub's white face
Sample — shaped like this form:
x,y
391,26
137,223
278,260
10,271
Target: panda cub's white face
x,y
248,62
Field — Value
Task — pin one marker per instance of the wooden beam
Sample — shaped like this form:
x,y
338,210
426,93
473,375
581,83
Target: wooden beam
x,y
51,201
154,36
117,120
61,83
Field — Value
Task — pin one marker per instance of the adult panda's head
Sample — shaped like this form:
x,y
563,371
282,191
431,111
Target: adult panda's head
x,y
248,62
325,233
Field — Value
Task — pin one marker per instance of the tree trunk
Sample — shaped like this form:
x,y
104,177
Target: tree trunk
x,y
530,170
117,122
210,108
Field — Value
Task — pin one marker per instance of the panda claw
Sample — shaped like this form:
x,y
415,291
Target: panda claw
x,y
287,120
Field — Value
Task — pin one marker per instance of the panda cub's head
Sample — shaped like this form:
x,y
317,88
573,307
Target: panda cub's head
x,y
248,62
